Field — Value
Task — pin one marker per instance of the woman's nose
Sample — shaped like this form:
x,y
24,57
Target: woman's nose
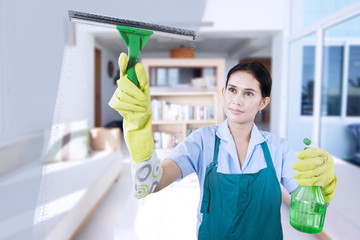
x,y
238,99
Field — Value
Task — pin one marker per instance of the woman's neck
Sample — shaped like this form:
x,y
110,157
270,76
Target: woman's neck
x,y
241,132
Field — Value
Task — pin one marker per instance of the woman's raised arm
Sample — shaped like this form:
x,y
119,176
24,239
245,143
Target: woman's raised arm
x,y
171,172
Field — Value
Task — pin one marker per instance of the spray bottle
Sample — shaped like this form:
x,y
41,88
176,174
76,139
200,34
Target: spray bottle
x,y
308,206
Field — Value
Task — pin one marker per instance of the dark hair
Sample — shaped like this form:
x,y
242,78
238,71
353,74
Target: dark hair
x,y
258,71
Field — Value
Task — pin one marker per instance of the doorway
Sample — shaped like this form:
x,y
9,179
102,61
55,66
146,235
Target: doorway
x,y
97,88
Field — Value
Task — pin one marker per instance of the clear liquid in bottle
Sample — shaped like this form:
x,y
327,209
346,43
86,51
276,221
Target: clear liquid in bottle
x,y
308,207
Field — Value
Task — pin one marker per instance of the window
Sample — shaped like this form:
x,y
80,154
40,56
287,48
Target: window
x,y
353,91
308,69
332,80
324,75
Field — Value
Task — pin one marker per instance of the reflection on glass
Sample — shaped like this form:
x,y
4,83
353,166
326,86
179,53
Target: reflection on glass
x,y
308,71
332,80
353,97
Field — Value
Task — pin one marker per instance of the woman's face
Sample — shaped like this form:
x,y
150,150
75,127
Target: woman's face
x,y
242,98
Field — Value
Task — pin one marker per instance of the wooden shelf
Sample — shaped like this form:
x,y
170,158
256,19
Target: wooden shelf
x,y
188,95
156,91
183,63
205,122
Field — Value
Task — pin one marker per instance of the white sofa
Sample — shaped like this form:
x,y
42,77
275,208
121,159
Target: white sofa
x,y
54,200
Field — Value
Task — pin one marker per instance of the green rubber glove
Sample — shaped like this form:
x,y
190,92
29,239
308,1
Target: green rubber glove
x,y
133,104
316,168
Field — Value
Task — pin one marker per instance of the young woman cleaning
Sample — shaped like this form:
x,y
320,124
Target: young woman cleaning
x,y
239,167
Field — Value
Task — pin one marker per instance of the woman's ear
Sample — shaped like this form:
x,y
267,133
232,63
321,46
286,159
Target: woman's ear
x,y
264,103
222,91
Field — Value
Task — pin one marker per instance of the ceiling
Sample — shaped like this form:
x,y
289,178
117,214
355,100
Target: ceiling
x,y
210,41
233,45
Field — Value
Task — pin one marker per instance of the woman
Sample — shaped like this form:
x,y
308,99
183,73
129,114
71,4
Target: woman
x,y
239,167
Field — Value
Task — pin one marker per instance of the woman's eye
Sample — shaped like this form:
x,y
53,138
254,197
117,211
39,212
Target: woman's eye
x,y
231,89
249,94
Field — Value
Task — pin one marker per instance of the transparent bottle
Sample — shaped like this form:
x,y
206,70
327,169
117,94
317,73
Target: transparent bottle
x,y
308,207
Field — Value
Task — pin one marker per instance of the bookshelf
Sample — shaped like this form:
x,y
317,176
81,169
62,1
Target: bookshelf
x,y
179,105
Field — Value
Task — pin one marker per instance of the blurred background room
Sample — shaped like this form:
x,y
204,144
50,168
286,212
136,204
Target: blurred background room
x,y
65,172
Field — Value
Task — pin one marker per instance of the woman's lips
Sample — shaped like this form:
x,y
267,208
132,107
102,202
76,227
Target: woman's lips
x,y
235,111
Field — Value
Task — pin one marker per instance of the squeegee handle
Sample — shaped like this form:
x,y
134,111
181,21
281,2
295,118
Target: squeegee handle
x,y
131,71
135,40
133,53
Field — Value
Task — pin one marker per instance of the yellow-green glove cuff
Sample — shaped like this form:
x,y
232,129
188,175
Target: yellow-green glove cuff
x,y
147,175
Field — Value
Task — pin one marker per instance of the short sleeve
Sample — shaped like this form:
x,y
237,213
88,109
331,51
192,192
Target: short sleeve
x,y
287,174
187,154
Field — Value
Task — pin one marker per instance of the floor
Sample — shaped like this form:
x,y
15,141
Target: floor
x,y
169,214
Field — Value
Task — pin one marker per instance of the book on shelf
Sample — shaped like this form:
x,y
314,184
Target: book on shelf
x,y
164,140
162,110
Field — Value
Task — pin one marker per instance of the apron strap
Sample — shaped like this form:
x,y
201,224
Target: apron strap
x,y
206,192
267,156
216,151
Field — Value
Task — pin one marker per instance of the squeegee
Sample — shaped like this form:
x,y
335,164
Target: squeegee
x,y
135,34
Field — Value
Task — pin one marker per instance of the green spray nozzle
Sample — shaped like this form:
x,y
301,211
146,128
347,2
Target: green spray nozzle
x,y
307,142
135,40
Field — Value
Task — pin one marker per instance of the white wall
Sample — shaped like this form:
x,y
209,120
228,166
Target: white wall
x,y
1,68
279,91
31,61
246,16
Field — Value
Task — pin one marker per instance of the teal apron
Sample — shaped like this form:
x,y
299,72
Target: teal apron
x,y
241,206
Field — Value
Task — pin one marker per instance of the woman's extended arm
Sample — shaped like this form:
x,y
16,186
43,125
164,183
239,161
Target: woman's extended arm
x,y
171,172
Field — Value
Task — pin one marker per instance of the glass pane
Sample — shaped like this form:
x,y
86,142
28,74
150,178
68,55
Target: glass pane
x,y
341,89
353,98
300,91
307,12
308,75
332,80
